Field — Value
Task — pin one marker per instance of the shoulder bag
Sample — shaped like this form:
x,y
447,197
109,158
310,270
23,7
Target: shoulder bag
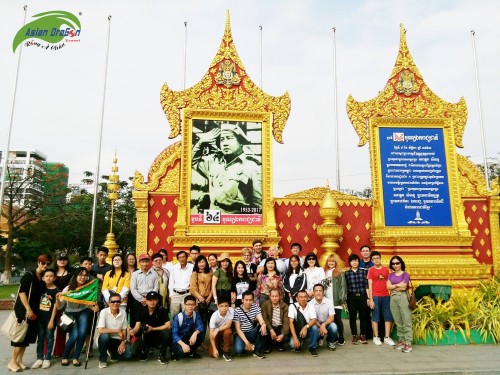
x,y
14,330
410,293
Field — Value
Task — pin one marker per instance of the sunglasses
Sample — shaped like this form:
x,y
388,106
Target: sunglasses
x,y
311,258
395,263
45,263
114,301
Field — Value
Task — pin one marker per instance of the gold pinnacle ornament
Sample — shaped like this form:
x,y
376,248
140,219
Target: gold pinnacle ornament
x,y
113,188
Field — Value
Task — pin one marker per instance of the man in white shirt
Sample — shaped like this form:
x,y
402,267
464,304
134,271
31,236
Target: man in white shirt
x,y
143,281
302,318
220,330
273,252
112,329
325,314
178,284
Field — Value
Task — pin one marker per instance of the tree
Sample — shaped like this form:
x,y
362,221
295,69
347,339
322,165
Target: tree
x,y
24,201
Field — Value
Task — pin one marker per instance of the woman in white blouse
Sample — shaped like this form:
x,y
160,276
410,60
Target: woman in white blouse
x,y
314,273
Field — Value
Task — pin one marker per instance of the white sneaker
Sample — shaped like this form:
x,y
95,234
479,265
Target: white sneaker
x,y
320,342
103,364
46,363
389,341
376,340
38,363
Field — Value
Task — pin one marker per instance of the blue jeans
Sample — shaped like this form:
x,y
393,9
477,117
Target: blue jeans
x,y
331,335
177,349
312,335
253,336
78,333
44,334
106,342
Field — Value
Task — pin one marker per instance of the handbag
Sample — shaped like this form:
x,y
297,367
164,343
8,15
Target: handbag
x,y
65,322
412,301
12,328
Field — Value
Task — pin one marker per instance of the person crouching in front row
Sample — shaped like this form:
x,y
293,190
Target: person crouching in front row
x,y
220,330
186,331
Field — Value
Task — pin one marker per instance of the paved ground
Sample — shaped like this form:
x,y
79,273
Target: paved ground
x,y
347,359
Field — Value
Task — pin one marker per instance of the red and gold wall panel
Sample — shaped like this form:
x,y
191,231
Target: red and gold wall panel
x,y
477,215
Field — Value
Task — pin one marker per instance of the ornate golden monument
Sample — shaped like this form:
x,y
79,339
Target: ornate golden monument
x,y
408,172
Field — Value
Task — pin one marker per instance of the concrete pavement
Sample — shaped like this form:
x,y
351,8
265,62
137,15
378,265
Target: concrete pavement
x,y
347,359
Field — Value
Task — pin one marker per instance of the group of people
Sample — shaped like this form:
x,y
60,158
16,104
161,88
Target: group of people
x,y
261,304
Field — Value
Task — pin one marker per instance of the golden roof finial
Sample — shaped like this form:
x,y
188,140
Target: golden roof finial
x,y
404,59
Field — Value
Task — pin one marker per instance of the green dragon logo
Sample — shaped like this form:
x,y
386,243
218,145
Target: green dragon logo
x,y
48,28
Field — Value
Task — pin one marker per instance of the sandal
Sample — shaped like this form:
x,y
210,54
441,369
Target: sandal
x,y
76,363
64,362
14,369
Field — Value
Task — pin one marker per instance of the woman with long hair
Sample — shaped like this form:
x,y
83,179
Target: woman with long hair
x,y
295,279
27,306
269,278
63,275
117,281
241,283
222,278
336,291
200,286
398,284
81,314
315,274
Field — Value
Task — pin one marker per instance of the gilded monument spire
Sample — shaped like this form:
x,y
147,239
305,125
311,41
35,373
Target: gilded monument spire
x,y
406,95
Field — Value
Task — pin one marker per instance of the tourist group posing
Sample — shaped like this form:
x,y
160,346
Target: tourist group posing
x,y
261,304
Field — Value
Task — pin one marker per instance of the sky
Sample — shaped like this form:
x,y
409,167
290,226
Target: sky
x,y
60,93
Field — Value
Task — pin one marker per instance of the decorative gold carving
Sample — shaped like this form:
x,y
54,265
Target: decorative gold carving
x,y
289,239
306,214
297,227
406,96
156,240
472,181
306,238
163,225
348,226
329,231
289,213
226,86
367,226
157,214
281,225
151,227
158,173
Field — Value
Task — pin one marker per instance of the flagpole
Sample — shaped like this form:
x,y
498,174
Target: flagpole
x,y
260,55
185,50
337,161
481,124
9,132
98,163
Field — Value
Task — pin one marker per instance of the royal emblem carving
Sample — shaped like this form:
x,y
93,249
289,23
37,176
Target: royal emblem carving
x,y
227,75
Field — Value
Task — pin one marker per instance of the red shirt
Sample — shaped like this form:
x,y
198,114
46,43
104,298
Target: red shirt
x,y
379,279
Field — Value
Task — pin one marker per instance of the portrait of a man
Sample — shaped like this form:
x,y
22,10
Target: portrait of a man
x,y
226,167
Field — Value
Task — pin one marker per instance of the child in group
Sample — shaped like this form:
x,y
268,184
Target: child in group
x,y
46,320
220,330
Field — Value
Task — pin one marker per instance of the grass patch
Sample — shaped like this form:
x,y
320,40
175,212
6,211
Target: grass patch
x,y
7,290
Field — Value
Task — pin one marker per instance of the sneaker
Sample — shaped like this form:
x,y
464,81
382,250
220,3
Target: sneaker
x,y
407,348
313,352
355,339
389,341
194,355
400,345
111,359
376,340
46,363
362,339
297,350
341,341
267,350
174,358
320,342
103,364
281,349
227,357
143,357
38,363
163,360
331,346
259,355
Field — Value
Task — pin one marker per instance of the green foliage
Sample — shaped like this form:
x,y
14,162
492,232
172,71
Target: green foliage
x,y
467,309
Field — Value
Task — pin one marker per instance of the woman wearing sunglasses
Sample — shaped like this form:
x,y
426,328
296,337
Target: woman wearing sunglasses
x,y
314,273
397,285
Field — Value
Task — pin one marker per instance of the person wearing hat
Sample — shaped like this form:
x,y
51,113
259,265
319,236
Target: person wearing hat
x,y
143,281
152,327
234,178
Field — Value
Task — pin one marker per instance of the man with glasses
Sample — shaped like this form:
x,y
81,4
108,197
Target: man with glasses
x,y
194,251
143,281
163,276
112,330
378,297
186,331
152,327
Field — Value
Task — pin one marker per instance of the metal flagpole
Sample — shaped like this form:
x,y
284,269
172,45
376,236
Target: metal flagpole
x,y
337,161
260,55
481,124
98,163
9,132
185,50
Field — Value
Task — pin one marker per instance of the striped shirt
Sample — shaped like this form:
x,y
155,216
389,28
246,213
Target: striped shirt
x,y
246,323
356,281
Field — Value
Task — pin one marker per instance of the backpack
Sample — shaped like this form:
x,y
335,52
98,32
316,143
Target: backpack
x,y
180,318
301,321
